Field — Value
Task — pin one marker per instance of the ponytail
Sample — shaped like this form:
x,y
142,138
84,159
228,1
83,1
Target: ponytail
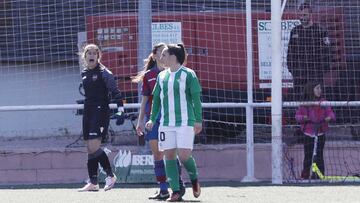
x,y
149,63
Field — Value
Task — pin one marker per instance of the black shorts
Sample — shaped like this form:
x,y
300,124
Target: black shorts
x,y
96,122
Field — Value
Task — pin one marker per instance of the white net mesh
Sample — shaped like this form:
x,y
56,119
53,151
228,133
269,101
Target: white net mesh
x,y
39,65
325,52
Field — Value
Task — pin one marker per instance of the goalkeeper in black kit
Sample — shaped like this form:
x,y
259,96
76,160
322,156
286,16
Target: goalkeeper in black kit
x,y
100,87
308,56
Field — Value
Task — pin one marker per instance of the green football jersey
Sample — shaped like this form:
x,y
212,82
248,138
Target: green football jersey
x,y
177,94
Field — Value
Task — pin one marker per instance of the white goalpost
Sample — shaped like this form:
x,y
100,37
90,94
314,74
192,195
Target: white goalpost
x,y
276,92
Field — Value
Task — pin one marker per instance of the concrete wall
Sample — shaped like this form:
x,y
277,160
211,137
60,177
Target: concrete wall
x,y
41,165
34,166
39,84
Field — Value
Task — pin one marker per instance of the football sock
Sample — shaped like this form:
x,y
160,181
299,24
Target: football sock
x,y
160,174
172,173
191,168
104,162
92,166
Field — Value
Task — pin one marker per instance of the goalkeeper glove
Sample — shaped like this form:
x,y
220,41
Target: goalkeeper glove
x,y
119,116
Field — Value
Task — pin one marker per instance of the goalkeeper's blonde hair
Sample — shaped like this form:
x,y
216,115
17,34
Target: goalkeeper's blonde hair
x,y
85,49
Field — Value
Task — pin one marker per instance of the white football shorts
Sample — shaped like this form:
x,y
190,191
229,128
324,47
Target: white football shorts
x,y
176,137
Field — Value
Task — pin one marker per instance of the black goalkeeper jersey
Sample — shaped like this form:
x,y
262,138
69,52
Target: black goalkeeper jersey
x,y
100,87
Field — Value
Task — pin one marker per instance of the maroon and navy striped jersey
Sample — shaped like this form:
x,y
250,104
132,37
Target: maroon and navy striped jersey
x,y
148,85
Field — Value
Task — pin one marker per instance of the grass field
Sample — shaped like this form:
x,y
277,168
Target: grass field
x,y
211,192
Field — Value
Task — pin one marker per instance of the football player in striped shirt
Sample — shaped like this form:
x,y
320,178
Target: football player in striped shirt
x,y
148,78
176,97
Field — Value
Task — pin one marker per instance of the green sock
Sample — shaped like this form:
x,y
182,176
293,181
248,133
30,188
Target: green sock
x,y
191,168
173,174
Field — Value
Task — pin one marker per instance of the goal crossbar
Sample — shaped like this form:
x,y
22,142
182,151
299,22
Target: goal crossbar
x,y
204,105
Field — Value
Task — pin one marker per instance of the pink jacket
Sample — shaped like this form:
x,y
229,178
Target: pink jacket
x,y
316,117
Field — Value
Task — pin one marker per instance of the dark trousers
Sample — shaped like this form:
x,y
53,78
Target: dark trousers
x,y
308,154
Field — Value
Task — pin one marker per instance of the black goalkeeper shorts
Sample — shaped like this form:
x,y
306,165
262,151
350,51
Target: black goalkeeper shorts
x,y
96,122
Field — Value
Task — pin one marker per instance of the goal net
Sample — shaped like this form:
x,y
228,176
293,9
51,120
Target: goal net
x,y
40,66
321,50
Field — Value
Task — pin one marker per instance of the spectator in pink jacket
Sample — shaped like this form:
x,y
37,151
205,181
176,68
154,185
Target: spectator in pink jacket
x,y
314,122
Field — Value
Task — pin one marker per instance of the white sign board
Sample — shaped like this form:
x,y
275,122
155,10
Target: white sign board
x,y
166,32
264,48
